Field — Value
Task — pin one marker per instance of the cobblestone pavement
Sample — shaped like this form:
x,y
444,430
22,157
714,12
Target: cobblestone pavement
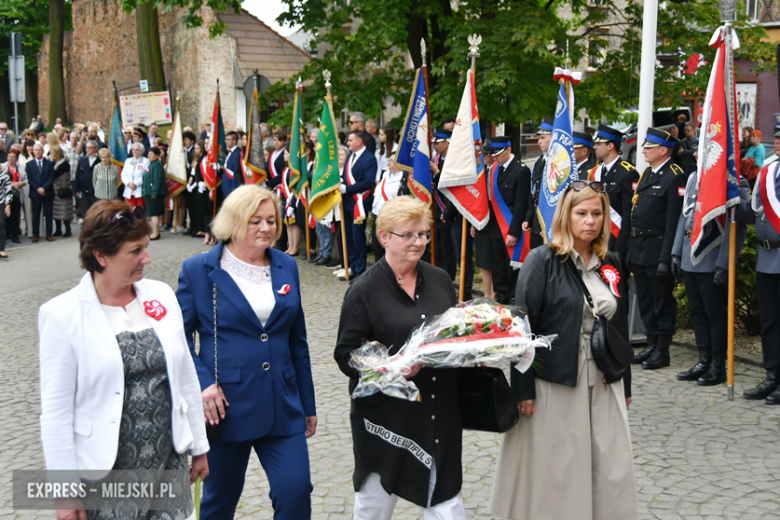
x,y
697,455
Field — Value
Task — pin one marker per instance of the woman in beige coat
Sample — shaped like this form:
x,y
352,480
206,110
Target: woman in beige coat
x,y
569,457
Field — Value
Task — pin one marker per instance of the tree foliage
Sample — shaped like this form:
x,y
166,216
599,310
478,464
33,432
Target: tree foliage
x,y
193,18
366,46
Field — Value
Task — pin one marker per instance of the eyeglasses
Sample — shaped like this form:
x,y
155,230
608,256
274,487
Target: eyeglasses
x,y
129,218
412,237
354,122
3,129
598,187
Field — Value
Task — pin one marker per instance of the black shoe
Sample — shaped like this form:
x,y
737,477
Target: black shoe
x,y
774,397
333,264
716,374
660,357
699,369
57,233
765,387
323,260
467,296
313,259
67,234
16,240
646,352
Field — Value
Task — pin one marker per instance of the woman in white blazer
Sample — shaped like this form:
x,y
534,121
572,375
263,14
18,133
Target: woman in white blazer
x,y
132,175
119,388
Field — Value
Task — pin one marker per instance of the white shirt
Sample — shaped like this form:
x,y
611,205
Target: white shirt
x,y
507,161
655,170
386,189
131,319
382,162
254,282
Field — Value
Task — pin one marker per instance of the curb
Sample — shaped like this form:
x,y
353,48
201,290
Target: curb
x,y
741,357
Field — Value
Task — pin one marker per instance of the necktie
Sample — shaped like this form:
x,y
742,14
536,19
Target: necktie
x,y
40,165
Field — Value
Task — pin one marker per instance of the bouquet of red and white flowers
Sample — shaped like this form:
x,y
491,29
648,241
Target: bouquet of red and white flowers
x,y
474,333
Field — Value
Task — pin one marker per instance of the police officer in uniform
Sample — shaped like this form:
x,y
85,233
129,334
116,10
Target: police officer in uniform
x,y
531,223
706,285
768,278
657,206
514,183
445,252
583,144
620,178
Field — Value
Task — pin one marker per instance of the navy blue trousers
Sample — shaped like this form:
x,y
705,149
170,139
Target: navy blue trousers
x,y
355,235
286,464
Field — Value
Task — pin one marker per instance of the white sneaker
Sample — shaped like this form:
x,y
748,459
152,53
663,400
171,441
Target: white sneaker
x,y
339,272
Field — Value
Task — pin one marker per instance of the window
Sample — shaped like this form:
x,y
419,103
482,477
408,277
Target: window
x,y
763,11
597,49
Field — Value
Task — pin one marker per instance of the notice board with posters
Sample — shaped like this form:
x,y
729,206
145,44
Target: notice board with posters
x,y
153,107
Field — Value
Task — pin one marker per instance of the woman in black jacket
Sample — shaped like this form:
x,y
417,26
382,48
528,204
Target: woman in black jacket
x,y
573,432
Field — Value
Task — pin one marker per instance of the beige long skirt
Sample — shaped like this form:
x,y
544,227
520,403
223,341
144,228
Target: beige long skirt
x,y
572,459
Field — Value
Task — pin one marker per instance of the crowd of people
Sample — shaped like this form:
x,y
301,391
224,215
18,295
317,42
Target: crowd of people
x,y
242,302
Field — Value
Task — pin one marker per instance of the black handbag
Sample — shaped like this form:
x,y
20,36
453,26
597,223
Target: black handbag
x,y
610,350
486,401
64,193
213,430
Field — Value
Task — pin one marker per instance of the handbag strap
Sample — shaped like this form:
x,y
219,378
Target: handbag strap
x,y
216,357
578,277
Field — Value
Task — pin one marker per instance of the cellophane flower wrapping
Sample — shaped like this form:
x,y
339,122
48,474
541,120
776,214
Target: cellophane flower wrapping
x,y
475,333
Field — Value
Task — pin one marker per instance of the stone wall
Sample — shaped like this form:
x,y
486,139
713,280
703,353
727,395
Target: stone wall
x,y
102,49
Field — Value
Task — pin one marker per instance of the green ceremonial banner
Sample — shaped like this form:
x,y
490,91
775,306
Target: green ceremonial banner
x,y
299,177
326,178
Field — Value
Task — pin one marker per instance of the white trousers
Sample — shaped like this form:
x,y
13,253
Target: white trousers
x,y
372,502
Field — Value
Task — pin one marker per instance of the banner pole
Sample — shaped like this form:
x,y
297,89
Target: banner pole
x,y
424,67
326,75
175,216
732,295
308,244
463,237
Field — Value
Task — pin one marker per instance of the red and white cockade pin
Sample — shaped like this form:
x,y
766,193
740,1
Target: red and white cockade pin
x,y
285,289
154,309
612,277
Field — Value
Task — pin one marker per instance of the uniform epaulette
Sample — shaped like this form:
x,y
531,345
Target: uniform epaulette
x,y
627,165
676,169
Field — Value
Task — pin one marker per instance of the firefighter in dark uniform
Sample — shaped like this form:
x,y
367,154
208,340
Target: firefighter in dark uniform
x,y
445,252
620,178
657,204
706,285
513,180
531,223
583,144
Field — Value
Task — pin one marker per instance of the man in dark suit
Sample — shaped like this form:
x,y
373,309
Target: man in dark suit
x,y
620,177
583,144
510,184
40,175
188,139
276,162
544,134
6,136
657,205
356,190
232,166
83,185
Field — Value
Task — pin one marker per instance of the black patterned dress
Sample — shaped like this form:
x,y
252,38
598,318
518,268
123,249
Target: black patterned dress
x,y
145,438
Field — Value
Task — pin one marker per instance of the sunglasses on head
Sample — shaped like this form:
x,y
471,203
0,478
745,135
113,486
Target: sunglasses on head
x,y
129,218
598,187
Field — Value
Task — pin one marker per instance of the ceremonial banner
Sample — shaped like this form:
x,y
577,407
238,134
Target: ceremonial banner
x,y
560,169
116,138
716,177
218,151
462,180
210,177
414,149
176,171
299,178
326,178
254,159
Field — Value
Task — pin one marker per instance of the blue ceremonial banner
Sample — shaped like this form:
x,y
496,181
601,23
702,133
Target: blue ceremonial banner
x,y
560,169
117,144
414,150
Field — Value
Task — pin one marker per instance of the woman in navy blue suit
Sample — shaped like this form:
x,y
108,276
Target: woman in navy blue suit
x,y
265,394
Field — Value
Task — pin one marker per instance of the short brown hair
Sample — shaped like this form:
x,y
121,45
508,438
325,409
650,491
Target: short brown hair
x,y
98,235
281,135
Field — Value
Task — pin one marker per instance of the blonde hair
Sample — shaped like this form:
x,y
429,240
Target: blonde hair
x,y
563,241
402,209
56,150
104,152
239,207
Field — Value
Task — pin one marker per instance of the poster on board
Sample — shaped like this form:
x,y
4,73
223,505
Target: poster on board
x,y
746,105
154,107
